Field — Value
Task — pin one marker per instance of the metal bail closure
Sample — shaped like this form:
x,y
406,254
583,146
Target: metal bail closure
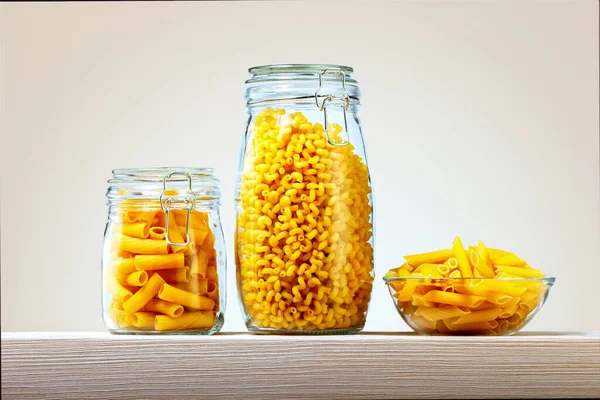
x,y
335,102
167,204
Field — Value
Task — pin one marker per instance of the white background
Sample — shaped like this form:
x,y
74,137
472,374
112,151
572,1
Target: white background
x,y
481,120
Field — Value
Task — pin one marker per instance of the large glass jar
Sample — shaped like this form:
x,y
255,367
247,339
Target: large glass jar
x,y
304,207
164,256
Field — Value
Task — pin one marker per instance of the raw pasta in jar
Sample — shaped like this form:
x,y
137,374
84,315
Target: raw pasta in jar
x,y
162,266
305,257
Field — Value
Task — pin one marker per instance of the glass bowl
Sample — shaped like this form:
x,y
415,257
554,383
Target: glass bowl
x,y
468,306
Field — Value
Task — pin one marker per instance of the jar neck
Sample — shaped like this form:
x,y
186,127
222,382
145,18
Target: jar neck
x,y
179,188
301,83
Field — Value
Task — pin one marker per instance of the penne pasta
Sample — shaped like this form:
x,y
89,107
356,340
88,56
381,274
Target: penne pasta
x,y
157,232
212,292
138,230
484,266
142,246
174,275
137,278
508,311
189,299
519,271
163,307
423,323
463,262
118,292
144,295
198,235
478,316
456,299
429,271
408,290
192,320
432,257
143,319
469,292
154,262
175,236
122,268
138,263
147,216
211,272
511,260
452,263
199,263
499,299
196,284
474,326
442,312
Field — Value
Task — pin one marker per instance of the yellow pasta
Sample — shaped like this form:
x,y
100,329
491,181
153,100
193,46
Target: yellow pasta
x,y
189,299
429,258
484,266
460,255
192,320
175,236
116,290
154,262
147,216
140,262
143,319
408,290
429,270
122,268
137,278
163,307
199,263
472,327
304,233
175,274
196,284
456,299
518,271
212,291
499,299
144,295
467,291
478,316
142,246
511,260
198,235
138,230
157,232
437,313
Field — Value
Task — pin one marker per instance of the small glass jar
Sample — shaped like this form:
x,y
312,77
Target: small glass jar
x,y
304,216
164,259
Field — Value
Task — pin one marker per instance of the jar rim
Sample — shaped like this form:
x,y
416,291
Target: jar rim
x,y
143,184
158,173
295,68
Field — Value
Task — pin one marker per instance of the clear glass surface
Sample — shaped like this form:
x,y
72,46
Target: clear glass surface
x,y
149,285
468,306
304,206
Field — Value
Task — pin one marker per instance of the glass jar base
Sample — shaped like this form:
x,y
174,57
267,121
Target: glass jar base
x,y
313,332
135,331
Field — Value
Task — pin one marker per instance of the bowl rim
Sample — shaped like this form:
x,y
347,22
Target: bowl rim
x,y
546,279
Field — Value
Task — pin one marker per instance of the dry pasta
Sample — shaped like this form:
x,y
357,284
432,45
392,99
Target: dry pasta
x,y
152,286
432,302
303,237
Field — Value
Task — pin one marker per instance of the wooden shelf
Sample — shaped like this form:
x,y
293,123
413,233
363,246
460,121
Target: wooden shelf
x,y
368,365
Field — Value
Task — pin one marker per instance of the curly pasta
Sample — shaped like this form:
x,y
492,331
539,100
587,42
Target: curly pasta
x,y
303,238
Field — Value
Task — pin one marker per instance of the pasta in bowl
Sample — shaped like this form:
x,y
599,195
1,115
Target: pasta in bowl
x,y
473,291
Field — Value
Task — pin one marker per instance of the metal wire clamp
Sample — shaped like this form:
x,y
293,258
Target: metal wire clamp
x,y
332,99
167,204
